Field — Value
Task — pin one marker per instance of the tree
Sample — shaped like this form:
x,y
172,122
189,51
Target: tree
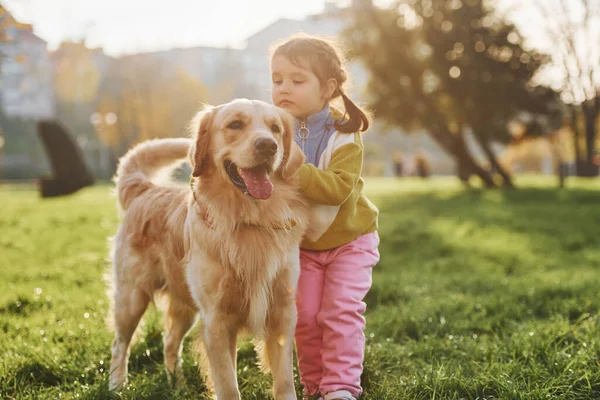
x,y
77,75
77,71
573,41
148,98
449,67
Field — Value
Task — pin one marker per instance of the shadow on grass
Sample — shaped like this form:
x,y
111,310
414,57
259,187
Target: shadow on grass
x,y
489,259
547,217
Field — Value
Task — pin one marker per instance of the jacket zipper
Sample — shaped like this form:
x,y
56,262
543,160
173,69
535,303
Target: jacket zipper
x,y
303,133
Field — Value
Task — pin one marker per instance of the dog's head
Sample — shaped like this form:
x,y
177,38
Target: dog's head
x,y
249,143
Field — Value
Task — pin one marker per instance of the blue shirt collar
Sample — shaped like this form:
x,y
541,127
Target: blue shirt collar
x,y
319,117
316,122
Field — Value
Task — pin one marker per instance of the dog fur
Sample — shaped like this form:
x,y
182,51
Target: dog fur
x,y
212,250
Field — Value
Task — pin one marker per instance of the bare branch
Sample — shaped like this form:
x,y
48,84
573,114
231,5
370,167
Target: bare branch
x,y
561,49
593,9
569,32
571,26
589,46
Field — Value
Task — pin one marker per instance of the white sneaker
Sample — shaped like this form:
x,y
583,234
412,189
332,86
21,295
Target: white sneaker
x,y
339,395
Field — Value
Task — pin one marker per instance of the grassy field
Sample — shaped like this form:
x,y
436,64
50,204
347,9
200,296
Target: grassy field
x,y
479,295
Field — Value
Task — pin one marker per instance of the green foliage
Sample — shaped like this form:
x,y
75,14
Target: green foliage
x,y
447,67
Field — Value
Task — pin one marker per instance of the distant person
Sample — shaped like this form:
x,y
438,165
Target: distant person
x,y
335,268
560,155
422,165
398,161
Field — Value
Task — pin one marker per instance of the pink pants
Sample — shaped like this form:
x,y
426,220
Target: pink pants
x,y
330,339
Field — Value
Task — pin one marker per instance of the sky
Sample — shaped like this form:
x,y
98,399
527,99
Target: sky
x,y
131,26
128,26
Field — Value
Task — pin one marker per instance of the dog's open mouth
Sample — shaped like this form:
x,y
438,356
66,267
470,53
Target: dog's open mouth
x,y
252,181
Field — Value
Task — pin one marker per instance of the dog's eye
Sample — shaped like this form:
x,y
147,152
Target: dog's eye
x,y
275,128
236,125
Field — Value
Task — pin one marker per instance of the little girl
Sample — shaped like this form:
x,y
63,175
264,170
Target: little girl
x,y
339,252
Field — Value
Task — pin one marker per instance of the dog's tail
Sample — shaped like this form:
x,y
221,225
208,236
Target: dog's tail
x,y
146,161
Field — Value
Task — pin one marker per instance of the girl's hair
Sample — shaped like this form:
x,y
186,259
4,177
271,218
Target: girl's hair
x,y
326,61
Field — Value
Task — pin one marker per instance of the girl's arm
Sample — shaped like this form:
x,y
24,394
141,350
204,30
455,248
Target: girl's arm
x,y
335,184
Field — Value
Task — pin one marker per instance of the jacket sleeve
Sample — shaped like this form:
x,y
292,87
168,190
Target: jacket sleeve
x,y
334,185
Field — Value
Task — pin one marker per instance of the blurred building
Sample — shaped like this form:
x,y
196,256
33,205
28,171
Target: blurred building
x,y
245,71
77,71
26,89
213,66
258,45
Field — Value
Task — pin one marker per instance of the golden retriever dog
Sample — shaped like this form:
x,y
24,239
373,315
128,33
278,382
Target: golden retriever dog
x,y
226,250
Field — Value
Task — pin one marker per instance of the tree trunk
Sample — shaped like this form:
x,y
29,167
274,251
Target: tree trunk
x,y
455,146
487,149
587,167
590,114
576,136
469,163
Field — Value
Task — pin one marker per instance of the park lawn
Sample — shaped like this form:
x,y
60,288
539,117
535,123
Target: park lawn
x,y
479,294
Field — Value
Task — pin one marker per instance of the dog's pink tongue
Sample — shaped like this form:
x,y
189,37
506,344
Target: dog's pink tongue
x,y
258,183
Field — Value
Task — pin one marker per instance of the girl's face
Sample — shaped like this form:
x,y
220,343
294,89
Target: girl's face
x,y
297,89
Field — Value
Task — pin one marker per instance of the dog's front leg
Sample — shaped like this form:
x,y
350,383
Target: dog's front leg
x,y
279,337
220,344
219,328
279,344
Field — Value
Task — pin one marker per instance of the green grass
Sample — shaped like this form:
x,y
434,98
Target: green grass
x,y
478,295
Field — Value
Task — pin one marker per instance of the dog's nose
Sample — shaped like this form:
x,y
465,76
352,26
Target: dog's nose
x,y
265,146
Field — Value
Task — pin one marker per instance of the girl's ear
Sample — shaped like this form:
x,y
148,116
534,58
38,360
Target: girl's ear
x,y
329,88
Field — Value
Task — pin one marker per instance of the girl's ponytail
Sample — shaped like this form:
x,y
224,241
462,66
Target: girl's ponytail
x,y
357,118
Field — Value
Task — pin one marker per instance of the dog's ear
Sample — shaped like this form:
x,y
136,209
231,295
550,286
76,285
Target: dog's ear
x,y
293,157
199,151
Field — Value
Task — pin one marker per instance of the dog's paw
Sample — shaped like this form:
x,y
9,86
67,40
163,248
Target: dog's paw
x,y
116,383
